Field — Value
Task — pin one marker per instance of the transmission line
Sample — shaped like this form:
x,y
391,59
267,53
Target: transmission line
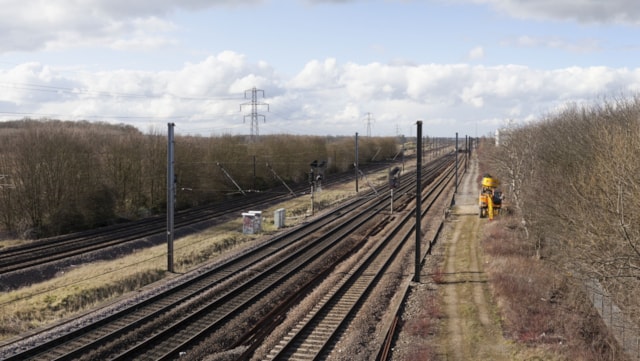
x,y
254,111
369,124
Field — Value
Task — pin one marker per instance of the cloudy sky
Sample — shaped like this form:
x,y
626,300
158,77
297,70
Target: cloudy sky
x,y
324,67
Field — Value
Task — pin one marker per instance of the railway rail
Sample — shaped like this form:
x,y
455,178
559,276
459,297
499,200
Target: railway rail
x,y
173,321
315,335
166,301
52,249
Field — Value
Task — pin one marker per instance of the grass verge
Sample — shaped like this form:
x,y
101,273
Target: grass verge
x,y
79,289
540,307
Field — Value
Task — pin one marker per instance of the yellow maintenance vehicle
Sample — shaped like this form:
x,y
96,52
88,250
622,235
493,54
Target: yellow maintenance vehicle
x,y
490,199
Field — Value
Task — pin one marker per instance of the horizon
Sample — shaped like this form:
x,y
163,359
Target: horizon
x,y
321,67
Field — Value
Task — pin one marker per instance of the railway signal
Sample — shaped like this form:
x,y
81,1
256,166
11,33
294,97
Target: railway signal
x,y
394,182
316,174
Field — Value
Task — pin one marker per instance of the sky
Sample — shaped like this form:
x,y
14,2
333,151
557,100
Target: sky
x,y
319,67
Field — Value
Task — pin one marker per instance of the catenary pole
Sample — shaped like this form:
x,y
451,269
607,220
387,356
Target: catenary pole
x,y
356,162
416,276
170,196
456,187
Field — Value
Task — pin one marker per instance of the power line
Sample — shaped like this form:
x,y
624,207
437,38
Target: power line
x,y
369,124
254,111
95,116
100,93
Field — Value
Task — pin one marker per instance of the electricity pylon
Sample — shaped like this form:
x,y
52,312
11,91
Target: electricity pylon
x,y
369,124
254,111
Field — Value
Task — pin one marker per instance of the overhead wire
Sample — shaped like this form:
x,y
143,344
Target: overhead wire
x,y
109,94
227,128
76,91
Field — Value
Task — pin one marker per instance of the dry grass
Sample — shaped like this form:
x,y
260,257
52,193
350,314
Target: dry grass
x,y
425,323
87,286
422,323
79,289
438,276
541,307
5,243
300,207
90,285
422,353
501,240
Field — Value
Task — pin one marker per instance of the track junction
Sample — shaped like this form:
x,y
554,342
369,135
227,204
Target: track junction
x,y
235,306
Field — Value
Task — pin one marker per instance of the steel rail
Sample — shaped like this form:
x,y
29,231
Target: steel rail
x,y
206,280
70,338
62,247
384,352
312,339
171,342
270,245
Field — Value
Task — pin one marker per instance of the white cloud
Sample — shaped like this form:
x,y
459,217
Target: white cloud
x,y
325,97
316,74
142,43
582,46
583,11
29,25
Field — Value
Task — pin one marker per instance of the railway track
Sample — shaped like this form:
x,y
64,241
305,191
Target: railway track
x,y
314,337
53,249
170,322
48,250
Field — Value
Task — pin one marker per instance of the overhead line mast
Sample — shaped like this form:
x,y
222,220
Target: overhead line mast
x,y
254,111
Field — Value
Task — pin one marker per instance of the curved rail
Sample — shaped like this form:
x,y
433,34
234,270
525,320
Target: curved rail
x,y
63,247
136,316
157,323
311,340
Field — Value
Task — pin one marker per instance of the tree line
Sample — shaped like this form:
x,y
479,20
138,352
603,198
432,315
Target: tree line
x,y
574,179
63,176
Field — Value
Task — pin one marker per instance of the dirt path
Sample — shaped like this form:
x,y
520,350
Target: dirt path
x,y
471,328
452,315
